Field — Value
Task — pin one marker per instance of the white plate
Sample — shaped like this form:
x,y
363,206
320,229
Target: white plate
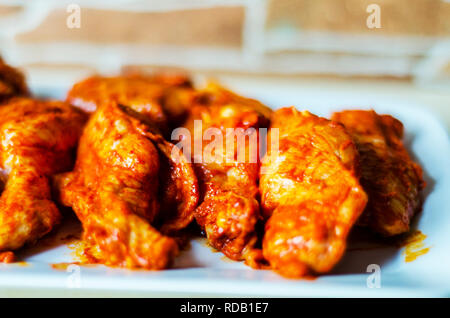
x,y
200,272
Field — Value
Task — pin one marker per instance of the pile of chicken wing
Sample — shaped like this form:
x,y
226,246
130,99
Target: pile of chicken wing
x,y
108,153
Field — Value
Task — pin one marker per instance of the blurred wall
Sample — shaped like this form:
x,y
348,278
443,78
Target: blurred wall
x,y
283,37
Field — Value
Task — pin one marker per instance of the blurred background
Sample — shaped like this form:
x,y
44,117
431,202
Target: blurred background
x,y
389,46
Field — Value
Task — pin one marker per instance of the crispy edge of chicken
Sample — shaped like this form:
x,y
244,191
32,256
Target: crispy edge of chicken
x,y
229,209
310,193
37,140
389,176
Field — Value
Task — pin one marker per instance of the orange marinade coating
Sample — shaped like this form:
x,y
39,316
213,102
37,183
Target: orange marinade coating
x,y
229,208
7,257
178,190
114,190
310,193
388,175
37,140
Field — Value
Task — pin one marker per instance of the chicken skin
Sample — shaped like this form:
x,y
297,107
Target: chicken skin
x,y
178,190
115,188
310,193
12,82
164,99
157,101
388,175
38,139
228,179
113,191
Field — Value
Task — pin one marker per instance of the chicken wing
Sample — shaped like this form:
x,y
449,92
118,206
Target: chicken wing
x,y
38,139
310,193
156,101
164,99
388,175
12,82
113,191
125,166
228,183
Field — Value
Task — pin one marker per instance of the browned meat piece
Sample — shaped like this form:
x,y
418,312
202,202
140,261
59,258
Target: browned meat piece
x,y
130,187
164,100
38,139
389,176
310,193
